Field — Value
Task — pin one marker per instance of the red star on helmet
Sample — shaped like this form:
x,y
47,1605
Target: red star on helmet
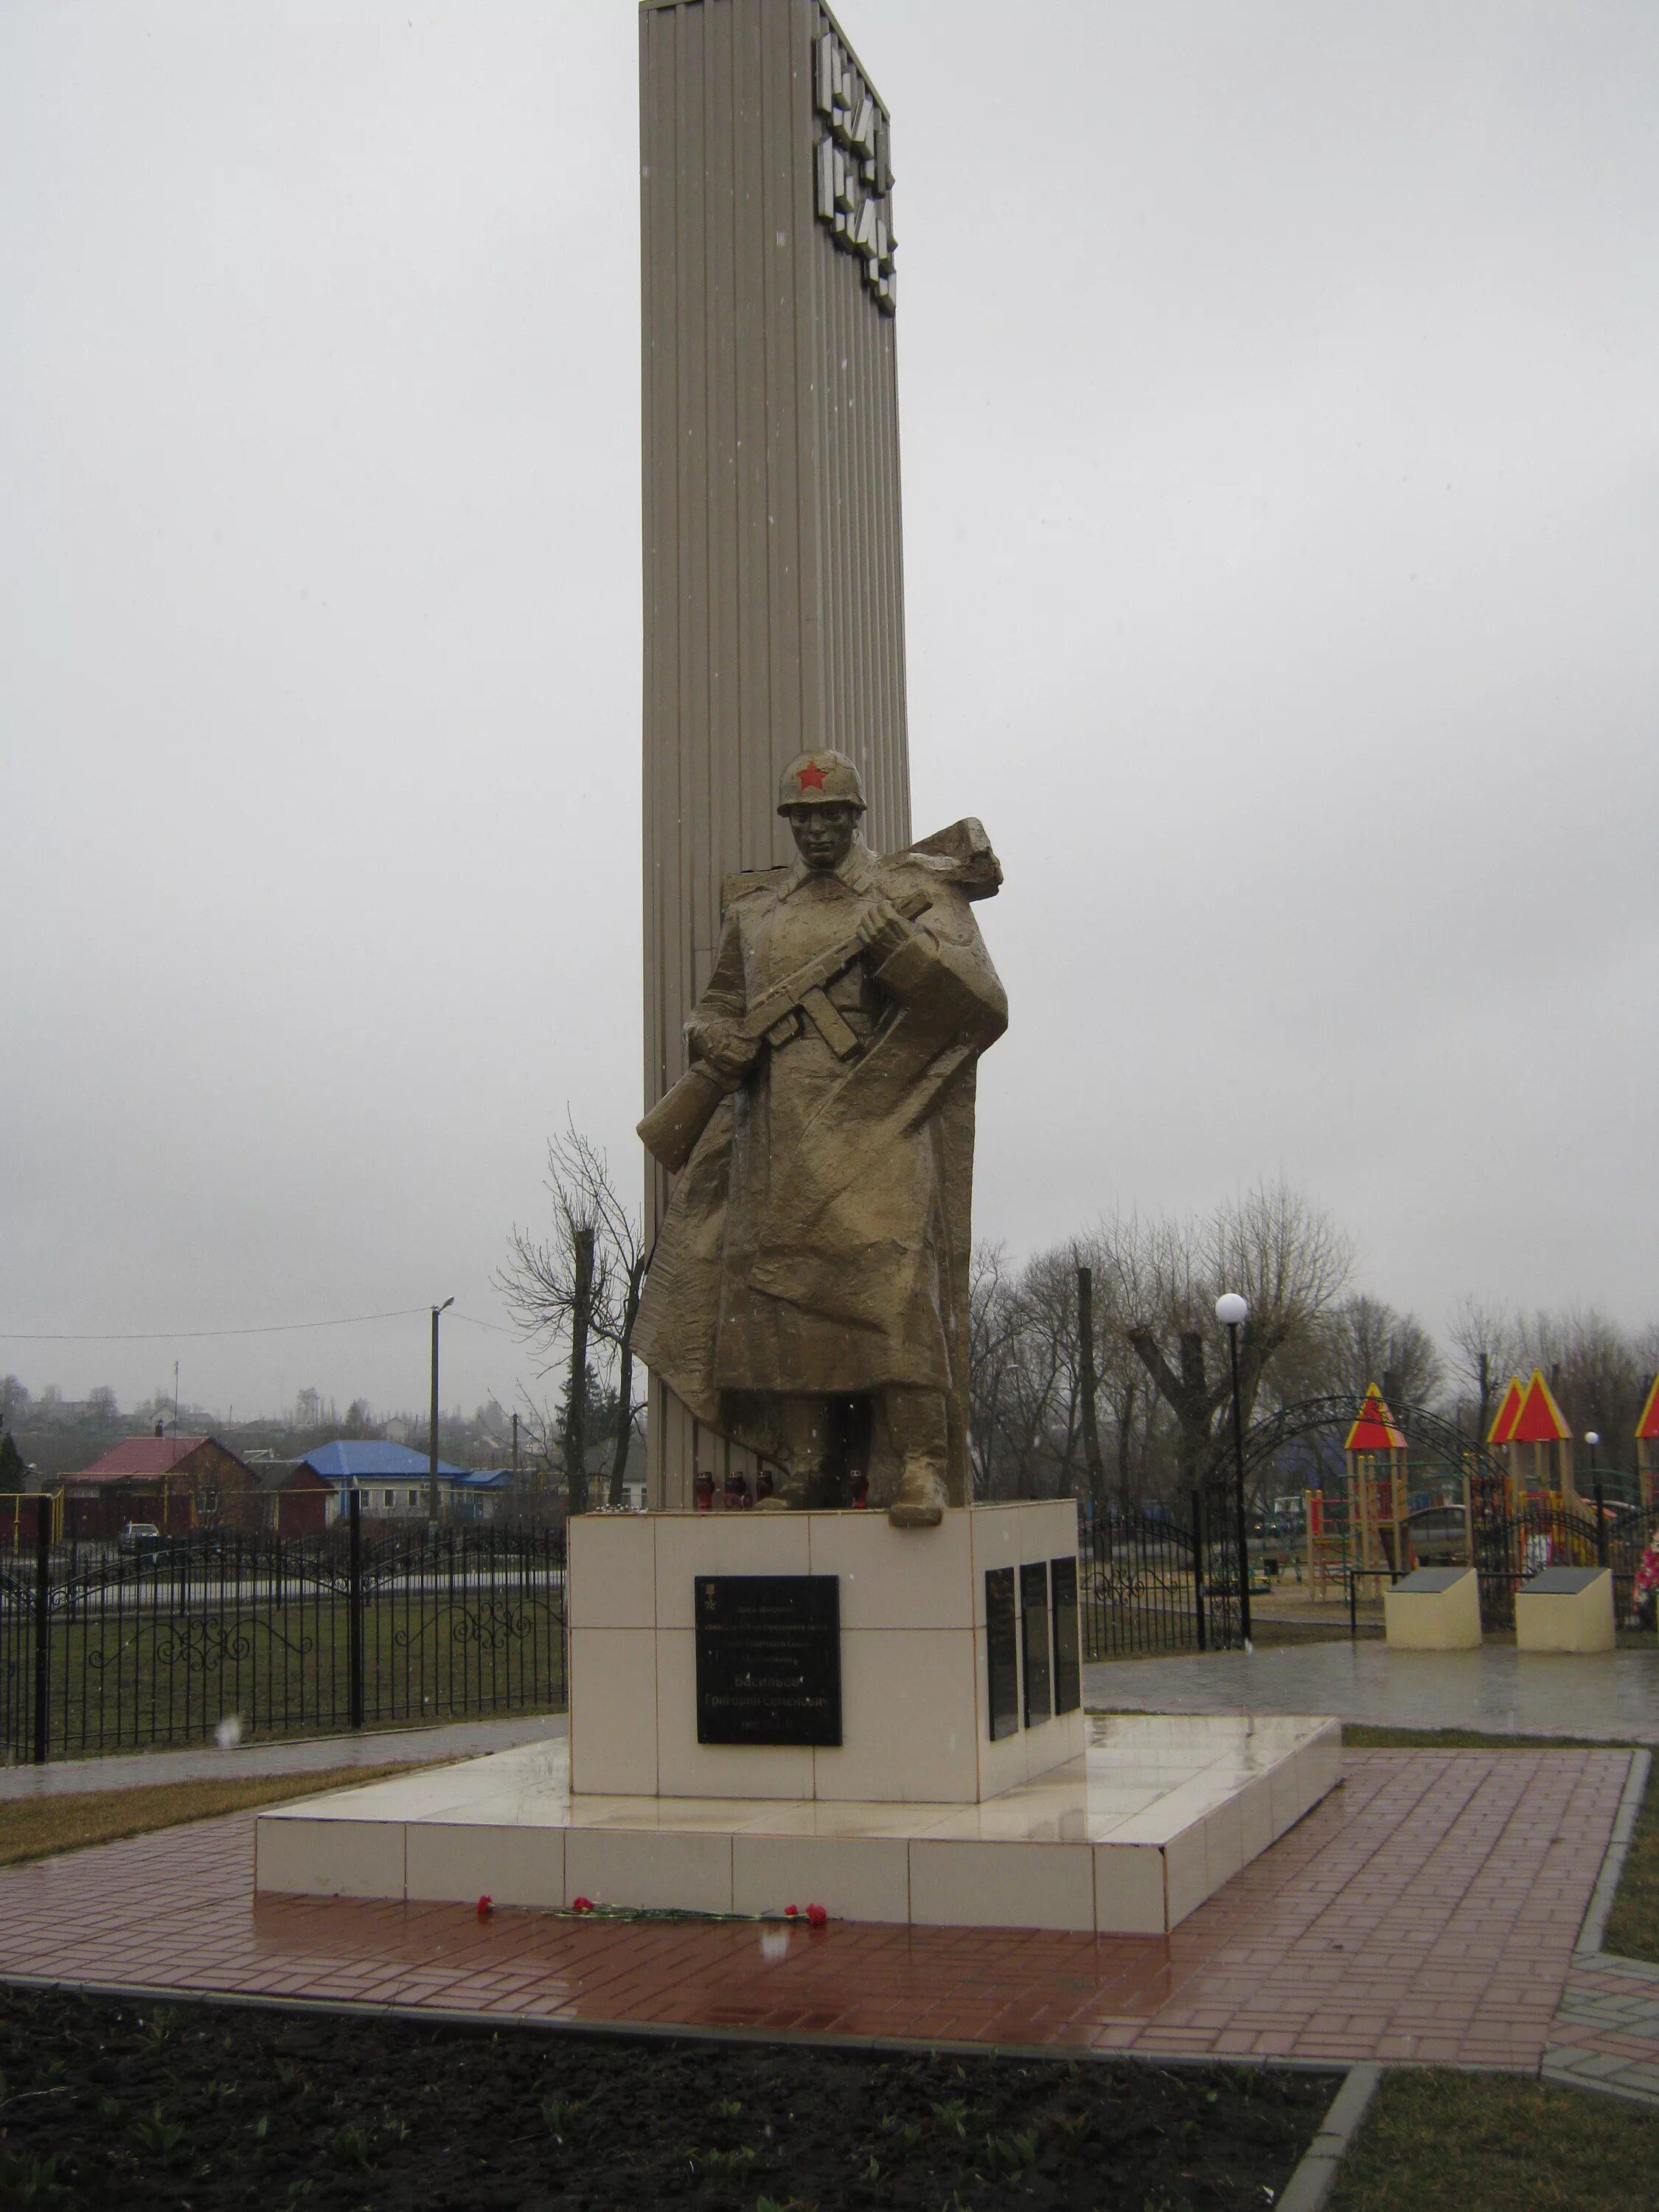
x,y
810,778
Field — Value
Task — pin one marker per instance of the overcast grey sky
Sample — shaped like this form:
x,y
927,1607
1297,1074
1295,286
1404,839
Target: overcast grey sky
x,y
1281,484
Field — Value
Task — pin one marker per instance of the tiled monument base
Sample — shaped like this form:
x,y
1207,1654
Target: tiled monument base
x,y
1129,1837
920,1716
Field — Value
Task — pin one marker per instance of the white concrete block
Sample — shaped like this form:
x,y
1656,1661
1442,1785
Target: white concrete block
x,y
613,1575
896,1577
1186,1873
692,1544
996,1885
462,1862
648,1868
613,1712
329,1858
1128,1889
853,1878
1430,1611
909,1726
1224,1845
1255,1818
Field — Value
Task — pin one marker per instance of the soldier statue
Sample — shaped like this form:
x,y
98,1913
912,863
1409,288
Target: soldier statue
x,y
808,1294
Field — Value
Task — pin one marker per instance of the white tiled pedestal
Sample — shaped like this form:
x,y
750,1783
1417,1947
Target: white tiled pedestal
x,y
914,1700
1127,1839
1120,1825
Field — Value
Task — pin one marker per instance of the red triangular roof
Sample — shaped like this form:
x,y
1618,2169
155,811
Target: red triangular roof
x,y
1375,1429
145,1455
1539,1421
1647,1429
1501,1430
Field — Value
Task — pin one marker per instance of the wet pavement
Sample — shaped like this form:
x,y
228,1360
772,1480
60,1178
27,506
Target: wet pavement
x,y
1428,1911
1611,1697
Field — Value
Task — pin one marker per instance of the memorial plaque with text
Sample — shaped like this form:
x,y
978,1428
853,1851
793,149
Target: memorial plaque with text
x,y
1001,1652
1034,1622
768,1659
1068,1650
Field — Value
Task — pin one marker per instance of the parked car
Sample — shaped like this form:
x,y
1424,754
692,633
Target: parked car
x,y
1439,1536
139,1538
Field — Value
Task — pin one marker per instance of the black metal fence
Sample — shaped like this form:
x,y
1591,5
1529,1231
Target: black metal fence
x,y
1158,1582
102,1651
1511,1546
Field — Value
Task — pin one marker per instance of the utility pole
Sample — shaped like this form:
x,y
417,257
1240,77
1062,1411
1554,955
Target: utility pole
x,y
432,1513
515,1448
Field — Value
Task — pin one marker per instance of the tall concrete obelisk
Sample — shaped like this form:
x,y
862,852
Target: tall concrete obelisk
x,y
773,583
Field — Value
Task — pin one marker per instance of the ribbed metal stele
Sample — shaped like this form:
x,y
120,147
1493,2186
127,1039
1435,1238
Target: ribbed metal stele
x,y
773,571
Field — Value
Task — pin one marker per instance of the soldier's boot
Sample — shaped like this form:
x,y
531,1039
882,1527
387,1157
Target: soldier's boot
x,y
919,1501
916,1429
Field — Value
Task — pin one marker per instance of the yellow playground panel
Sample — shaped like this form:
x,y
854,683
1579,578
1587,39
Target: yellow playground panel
x,y
1373,1535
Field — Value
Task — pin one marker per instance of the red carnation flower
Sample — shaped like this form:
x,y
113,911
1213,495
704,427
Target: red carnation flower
x,y
817,1917
791,1912
581,1905
486,1906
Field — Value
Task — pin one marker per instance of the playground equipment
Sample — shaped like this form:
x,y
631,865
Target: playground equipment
x,y
1367,1531
1537,1443
1647,1450
1377,1505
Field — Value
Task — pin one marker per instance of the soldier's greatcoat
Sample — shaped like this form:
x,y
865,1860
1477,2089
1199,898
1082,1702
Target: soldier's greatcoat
x,y
818,1242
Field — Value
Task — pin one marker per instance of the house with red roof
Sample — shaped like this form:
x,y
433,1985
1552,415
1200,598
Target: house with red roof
x,y
179,1483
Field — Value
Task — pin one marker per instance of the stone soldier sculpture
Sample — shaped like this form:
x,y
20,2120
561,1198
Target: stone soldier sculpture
x,y
808,1294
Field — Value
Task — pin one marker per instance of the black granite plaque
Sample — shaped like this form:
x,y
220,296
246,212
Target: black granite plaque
x,y
1430,1582
768,1659
1068,1651
1001,1652
1561,1582
1033,1624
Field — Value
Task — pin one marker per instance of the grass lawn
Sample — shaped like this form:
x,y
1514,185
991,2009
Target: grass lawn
x,y
1632,1929
129,1678
1356,1736
1438,2141
37,1827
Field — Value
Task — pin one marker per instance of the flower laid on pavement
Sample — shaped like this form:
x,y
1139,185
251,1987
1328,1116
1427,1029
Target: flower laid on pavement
x,y
486,1906
581,1905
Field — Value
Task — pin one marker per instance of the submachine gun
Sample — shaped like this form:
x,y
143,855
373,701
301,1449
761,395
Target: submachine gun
x,y
671,1128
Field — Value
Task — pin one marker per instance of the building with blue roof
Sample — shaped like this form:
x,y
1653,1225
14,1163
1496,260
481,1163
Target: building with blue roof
x,y
391,1480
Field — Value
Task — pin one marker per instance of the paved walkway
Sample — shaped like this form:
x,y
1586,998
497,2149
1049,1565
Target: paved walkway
x,y
1427,1910
308,1755
1613,1698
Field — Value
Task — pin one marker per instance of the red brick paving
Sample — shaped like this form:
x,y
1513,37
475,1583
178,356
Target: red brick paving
x,y
1426,1911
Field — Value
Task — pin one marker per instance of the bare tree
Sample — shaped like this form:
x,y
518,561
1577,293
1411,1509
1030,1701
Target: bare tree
x,y
1485,1341
992,1329
1367,1340
1285,1255
578,1290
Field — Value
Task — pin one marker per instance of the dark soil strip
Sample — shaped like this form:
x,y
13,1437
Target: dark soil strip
x,y
110,2103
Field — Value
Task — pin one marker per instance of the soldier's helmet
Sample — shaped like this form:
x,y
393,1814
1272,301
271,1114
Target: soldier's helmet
x,y
821,779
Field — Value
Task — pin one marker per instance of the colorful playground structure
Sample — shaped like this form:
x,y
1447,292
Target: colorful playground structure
x,y
1378,1528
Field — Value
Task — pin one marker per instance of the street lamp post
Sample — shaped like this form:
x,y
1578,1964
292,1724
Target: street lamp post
x,y
432,1514
1232,1311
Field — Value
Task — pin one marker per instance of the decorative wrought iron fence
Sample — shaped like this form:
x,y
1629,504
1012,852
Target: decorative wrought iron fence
x,y
1511,1545
1155,1582
104,1650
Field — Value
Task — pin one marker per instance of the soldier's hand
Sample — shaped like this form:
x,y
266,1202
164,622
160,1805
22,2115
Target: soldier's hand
x,y
725,1047
884,928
